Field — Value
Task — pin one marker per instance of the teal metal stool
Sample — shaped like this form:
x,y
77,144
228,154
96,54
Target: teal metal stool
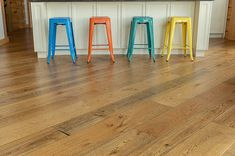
x,y
148,21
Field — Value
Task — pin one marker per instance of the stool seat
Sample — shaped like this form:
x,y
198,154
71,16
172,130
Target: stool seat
x,y
60,20
148,21
53,22
142,19
179,19
99,19
186,30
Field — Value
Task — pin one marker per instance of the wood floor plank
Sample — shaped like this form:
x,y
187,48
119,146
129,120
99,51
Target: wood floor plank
x,y
70,105
195,87
113,125
74,138
230,151
127,108
213,140
227,118
171,127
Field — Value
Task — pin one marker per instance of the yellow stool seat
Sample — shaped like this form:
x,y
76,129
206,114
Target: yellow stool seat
x,y
186,30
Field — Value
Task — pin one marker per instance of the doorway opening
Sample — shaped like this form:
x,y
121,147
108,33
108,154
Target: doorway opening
x,y
18,15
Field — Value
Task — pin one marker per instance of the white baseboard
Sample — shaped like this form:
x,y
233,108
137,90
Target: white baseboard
x,y
216,35
4,41
199,53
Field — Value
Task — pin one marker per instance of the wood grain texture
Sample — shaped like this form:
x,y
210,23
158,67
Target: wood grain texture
x,y
98,109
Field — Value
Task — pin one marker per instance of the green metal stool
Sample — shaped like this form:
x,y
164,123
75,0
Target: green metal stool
x,y
148,21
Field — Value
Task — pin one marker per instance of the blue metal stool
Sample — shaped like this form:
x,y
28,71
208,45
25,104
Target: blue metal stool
x,y
53,23
148,21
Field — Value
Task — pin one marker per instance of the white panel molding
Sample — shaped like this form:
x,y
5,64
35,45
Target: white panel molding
x,y
160,12
182,9
219,18
129,10
57,9
81,12
111,9
202,35
39,17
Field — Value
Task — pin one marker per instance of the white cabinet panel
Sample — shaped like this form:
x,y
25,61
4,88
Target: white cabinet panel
x,y
219,17
182,9
81,13
121,14
40,26
2,31
129,10
112,10
59,10
201,36
160,12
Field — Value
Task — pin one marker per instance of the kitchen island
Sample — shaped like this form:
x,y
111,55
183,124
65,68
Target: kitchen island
x,y
121,13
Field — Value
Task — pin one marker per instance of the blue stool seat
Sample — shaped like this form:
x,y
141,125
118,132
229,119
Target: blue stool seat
x,y
53,23
148,21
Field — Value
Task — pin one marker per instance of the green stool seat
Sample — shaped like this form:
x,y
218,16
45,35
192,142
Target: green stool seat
x,y
148,21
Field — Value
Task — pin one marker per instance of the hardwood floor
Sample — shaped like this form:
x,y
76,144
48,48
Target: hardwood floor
x,y
99,109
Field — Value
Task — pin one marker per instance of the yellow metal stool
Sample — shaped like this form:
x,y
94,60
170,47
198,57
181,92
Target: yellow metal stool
x,y
169,36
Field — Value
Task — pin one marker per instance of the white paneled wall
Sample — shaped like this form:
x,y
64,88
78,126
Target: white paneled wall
x,y
121,14
128,11
59,10
81,12
219,18
40,27
159,11
182,9
111,9
2,35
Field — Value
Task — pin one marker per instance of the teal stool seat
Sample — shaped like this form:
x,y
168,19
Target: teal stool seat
x,y
148,21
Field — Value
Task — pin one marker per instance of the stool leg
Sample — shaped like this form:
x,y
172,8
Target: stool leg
x,y
110,42
50,42
168,27
149,40
150,25
54,41
71,41
190,38
132,40
184,37
91,30
74,46
172,31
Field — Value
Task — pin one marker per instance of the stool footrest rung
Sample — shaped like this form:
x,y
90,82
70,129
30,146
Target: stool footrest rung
x,y
141,44
178,47
142,48
62,45
99,23
62,49
96,45
100,49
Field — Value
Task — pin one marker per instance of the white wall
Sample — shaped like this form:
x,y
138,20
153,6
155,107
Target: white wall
x,y
26,11
219,18
2,36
